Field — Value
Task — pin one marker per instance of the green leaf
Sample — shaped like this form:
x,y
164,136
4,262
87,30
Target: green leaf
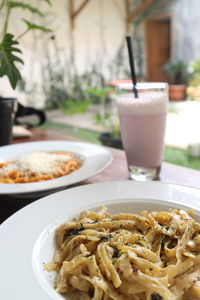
x,y
2,4
48,1
32,26
8,59
33,10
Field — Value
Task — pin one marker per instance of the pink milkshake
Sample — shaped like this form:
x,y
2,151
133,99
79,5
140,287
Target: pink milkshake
x,y
142,125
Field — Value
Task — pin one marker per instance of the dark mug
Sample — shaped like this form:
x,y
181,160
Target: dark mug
x,y
8,107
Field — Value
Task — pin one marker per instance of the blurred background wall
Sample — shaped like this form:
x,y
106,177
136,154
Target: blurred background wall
x,y
92,44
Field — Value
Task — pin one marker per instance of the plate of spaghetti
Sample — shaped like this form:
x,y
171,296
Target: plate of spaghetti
x,y
41,167
114,240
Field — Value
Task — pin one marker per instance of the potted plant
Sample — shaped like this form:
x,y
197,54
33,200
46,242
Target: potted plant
x,y
177,79
193,90
112,138
107,115
10,57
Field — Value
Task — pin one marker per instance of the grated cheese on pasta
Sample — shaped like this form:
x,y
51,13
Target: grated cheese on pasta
x,y
38,166
37,162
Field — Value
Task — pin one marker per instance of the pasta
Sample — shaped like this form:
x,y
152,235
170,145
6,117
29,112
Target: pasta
x,y
151,256
38,166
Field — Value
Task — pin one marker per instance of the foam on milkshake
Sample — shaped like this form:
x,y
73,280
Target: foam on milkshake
x,y
151,103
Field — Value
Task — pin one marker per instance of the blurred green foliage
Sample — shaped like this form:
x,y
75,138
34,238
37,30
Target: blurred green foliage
x,y
96,94
9,43
177,71
194,79
75,107
180,157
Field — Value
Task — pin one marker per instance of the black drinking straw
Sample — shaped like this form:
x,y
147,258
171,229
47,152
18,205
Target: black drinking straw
x,y
132,66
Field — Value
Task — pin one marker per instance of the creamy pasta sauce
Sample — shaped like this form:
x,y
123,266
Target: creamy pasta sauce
x,y
151,256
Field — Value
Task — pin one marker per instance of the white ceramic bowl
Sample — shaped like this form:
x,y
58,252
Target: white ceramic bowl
x,y
45,245
28,237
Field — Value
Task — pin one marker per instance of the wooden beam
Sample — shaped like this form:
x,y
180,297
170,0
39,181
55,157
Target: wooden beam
x,y
127,14
71,9
85,2
140,10
74,13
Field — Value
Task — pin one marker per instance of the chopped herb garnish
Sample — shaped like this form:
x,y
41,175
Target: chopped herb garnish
x,y
194,235
106,237
75,231
107,291
163,240
95,221
156,297
116,252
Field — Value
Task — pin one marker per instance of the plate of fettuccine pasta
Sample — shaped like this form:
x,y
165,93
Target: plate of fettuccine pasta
x,y
114,240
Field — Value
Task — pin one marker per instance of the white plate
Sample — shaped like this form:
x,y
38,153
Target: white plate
x,y
27,237
95,159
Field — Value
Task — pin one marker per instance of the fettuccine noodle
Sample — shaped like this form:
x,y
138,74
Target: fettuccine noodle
x,y
151,256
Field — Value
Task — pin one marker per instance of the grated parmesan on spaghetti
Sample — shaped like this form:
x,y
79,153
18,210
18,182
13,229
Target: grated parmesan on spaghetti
x,y
26,166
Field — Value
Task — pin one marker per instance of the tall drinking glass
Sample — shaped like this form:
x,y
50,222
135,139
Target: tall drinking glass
x,y
142,126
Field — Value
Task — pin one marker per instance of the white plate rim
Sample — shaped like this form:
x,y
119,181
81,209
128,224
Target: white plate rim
x,y
14,228
97,158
